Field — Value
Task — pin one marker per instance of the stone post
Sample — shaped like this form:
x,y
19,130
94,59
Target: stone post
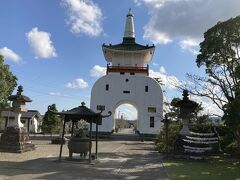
x,y
17,120
15,138
185,129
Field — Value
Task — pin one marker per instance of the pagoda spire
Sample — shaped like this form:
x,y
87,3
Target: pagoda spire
x,y
129,26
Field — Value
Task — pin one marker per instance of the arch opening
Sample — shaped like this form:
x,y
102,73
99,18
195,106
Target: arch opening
x,y
125,119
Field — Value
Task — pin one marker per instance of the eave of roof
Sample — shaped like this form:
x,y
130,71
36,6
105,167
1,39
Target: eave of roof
x,y
28,114
128,44
21,98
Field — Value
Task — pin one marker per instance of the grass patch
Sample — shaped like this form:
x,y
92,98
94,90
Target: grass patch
x,y
219,168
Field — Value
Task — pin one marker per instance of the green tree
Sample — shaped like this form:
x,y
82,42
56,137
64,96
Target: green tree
x,y
220,56
7,84
51,121
232,116
172,111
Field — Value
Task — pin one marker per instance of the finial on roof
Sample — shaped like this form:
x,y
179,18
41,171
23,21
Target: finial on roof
x,y
20,90
185,94
82,103
130,12
129,26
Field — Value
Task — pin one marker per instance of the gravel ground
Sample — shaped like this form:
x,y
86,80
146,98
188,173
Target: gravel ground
x,y
116,160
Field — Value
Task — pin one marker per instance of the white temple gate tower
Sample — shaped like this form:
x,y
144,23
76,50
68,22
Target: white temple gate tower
x,y
127,81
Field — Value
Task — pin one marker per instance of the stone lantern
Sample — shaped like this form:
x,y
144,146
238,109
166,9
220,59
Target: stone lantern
x,y
187,107
15,137
18,106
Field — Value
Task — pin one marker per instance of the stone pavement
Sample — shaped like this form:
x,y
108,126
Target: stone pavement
x,y
116,160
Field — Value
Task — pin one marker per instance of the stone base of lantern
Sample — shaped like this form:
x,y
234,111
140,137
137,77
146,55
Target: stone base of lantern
x,y
179,149
15,140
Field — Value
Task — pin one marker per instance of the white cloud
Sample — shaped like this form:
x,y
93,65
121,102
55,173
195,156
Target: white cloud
x,y
57,94
208,106
190,45
77,84
155,36
41,43
84,17
155,64
162,70
137,2
10,55
97,71
170,82
172,20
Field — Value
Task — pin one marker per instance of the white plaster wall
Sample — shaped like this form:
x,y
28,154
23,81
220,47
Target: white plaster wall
x,y
128,58
34,126
114,97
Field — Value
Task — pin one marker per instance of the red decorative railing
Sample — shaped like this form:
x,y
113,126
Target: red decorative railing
x,y
128,69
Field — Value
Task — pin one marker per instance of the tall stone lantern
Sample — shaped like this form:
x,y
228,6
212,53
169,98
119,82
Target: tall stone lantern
x,y
187,107
18,106
15,137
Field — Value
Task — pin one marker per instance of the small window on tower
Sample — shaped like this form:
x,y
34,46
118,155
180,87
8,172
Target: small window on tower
x,y
152,122
100,107
126,92
152,109
107,87
132,73
146,88
122,73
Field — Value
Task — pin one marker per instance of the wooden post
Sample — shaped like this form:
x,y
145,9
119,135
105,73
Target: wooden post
x,y
6,123
90,142
96,153
60,153
72,128
166,123
28,125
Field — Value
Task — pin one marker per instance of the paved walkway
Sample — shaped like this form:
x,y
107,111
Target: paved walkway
x,y
126,131
117,160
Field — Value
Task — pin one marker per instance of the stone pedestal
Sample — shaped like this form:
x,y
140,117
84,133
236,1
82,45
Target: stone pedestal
x,y
185,129
15,140
17,120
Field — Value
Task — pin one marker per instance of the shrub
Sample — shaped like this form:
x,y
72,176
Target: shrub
x,y
233,149
226,137
203,128
173,131
161,147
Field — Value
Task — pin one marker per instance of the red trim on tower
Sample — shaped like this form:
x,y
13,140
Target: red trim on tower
x,y
128,69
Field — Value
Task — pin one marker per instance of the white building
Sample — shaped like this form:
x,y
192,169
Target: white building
x,y
31,120
127,81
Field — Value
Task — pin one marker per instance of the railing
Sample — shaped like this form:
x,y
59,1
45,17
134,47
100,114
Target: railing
x,y
128,69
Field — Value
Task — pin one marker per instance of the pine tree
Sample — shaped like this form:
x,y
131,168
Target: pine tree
x,y
51,121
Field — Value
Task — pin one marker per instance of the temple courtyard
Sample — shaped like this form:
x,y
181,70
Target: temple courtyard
x,y
120,157
117,159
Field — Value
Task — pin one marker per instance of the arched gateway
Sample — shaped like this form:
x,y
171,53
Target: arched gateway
x,y
127,81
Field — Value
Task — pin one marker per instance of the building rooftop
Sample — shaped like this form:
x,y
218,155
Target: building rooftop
x,y
128,44
28,114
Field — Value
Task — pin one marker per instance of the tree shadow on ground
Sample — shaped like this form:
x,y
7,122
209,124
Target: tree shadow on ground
x,y
111,165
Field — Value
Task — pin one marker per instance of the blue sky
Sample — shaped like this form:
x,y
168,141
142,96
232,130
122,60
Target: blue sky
x,y
54,47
